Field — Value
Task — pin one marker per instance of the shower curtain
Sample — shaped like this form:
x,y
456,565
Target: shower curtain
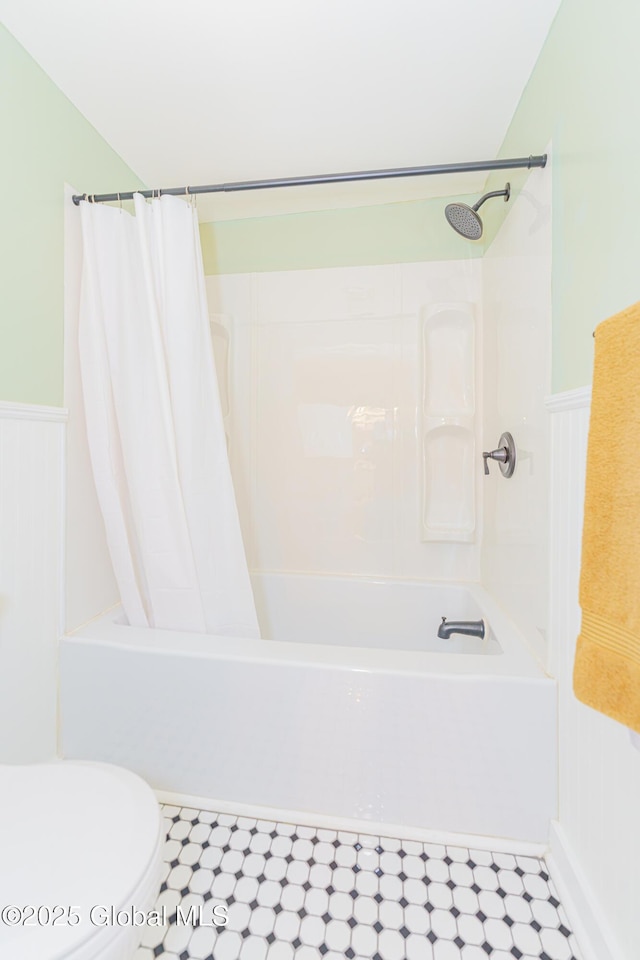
x,y
154,421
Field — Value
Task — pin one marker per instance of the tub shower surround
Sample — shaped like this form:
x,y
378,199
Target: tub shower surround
x,y
317,894
448,423
349,447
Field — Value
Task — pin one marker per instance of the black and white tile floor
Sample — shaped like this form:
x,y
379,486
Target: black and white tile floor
x,y
320,894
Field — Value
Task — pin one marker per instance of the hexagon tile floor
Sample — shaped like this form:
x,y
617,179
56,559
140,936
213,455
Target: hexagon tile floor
x,y
321,894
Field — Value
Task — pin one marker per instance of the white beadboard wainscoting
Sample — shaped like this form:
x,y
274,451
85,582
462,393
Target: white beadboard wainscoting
x,y
31,523
595,846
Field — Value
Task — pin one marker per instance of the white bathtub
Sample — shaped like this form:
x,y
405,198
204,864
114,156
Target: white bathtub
x,y
379,614
352,708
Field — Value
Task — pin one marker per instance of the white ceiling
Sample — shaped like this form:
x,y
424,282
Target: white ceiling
x,y
202,91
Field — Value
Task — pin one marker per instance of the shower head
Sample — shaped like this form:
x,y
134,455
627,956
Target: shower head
x,y
465,220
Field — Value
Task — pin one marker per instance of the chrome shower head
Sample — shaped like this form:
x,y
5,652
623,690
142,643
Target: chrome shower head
x,y
465,220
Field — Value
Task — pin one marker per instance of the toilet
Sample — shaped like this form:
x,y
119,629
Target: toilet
x,y
87,839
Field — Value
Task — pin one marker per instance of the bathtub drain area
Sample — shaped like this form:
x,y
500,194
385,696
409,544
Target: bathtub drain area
x,y
316,894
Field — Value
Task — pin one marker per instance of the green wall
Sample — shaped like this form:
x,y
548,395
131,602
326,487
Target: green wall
x,y
387,233
45,142
583,95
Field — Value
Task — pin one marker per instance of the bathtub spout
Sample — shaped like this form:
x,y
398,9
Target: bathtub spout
x,y
470,628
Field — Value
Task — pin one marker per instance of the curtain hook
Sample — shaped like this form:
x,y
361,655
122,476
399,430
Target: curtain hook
x,y
120,202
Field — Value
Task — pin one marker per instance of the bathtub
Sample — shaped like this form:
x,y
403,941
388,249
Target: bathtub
x,y
351,707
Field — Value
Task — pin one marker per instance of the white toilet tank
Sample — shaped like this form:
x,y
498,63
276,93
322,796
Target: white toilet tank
x,y
78,843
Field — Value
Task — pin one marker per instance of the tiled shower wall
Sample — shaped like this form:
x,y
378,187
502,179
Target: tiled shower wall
x,y
322,373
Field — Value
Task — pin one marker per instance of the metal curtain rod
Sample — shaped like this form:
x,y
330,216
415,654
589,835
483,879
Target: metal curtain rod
x,y
439,168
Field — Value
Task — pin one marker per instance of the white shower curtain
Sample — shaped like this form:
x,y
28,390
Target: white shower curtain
x,y
154,421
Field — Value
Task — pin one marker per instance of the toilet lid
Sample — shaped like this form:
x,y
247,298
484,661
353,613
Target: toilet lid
x,y
71,835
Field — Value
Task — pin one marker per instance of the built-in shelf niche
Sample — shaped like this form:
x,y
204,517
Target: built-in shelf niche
x,y
448,422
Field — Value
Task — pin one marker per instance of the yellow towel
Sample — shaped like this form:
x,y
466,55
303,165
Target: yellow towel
x,y
607,667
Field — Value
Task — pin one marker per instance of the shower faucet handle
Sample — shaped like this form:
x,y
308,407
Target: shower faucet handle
x,y
504,454
500,454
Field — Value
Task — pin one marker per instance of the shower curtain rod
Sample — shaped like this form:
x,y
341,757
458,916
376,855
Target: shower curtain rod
x,y
473,166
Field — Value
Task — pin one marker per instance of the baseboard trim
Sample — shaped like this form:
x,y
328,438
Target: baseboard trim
x,y
585,915
402,832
